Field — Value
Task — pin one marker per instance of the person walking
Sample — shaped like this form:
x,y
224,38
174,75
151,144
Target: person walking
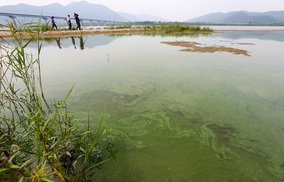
x,y
76,16
69,22
53,23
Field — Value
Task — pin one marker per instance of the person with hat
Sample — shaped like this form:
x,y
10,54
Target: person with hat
x,y
76,16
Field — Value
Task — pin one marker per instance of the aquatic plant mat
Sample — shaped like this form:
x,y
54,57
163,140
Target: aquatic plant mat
x,y
197,47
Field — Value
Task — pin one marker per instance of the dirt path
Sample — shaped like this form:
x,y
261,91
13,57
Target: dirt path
x,y
67,33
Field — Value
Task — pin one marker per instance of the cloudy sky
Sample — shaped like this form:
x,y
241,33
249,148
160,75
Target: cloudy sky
x,y
173,10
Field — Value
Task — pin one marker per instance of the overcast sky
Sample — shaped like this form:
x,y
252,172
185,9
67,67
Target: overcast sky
x,y
173,10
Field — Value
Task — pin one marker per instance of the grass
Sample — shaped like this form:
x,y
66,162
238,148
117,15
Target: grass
x,y
167,28
40,140
183,28
119,27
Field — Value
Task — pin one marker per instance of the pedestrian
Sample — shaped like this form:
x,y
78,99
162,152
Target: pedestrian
x,y
76,16
53,23
69,22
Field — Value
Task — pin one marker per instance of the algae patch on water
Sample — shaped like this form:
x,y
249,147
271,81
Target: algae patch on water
x,y
197,47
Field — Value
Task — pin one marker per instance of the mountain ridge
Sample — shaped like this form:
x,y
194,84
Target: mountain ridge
x,y
83,8
101,12
241,17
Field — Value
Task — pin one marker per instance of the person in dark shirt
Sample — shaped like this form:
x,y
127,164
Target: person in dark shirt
x,y
76,16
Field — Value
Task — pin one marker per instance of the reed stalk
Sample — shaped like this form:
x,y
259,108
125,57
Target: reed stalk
x,y
40,140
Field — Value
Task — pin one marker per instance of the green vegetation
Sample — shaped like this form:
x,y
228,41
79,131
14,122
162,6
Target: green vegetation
x,y
161,34
167,28
182,28
30,28
40,141
119,27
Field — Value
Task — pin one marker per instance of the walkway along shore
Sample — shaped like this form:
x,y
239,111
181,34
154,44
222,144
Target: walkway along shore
x,y
67,33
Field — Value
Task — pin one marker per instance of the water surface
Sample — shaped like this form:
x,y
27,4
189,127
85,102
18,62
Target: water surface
x,y
179,116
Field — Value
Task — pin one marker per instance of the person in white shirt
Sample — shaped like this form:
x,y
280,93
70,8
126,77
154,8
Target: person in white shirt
x,y
69,22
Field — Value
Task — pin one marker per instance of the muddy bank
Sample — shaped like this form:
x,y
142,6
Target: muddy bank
x,y
197,47
67,33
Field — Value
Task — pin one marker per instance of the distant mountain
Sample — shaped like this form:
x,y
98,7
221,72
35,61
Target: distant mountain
x,y
241,17
96,11
83,8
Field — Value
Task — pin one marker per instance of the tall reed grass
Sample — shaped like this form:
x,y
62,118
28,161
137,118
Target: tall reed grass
x,y
40,140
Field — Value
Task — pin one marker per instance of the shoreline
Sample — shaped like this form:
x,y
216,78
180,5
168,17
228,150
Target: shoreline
x,y
68,33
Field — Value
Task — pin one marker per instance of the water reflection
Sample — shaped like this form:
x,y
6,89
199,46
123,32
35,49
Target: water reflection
x,y
81,42
274,36
58,43
101,40
92,41
73,42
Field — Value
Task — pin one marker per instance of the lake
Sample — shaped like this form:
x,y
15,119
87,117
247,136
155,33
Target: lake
x,y
179,115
